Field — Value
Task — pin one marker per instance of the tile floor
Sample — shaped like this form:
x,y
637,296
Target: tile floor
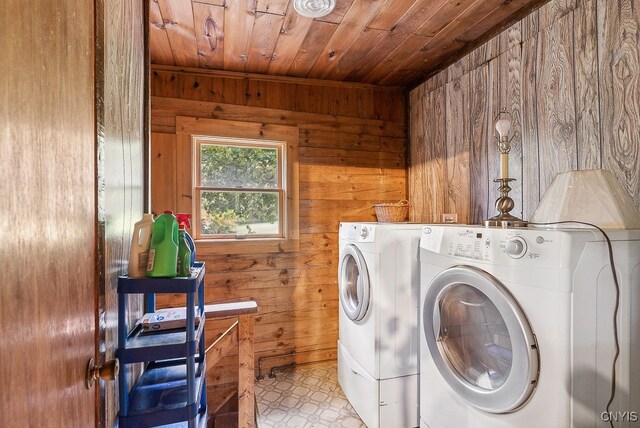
x,y
305,397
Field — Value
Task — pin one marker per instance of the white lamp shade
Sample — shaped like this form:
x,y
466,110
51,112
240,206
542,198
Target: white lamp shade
x,y
592,196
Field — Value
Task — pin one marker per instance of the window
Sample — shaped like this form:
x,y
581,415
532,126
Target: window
x,y
239,188
240,184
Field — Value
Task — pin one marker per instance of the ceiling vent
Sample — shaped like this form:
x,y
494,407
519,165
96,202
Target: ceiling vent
x,y
314,8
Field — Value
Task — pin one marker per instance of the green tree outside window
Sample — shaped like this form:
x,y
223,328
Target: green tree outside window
x,y
234,200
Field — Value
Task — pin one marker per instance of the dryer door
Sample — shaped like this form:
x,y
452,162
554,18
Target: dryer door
x,y
353,281
480,339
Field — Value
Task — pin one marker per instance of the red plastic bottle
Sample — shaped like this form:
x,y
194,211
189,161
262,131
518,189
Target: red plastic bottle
x,y
185,219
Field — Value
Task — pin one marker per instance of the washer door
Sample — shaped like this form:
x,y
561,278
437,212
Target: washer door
x,y
480,339
353,281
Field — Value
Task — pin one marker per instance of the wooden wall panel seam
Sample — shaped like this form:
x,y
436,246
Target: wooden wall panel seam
x,y
269,78
599,74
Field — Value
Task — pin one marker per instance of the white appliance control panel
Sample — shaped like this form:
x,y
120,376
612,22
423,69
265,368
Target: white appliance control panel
x,y
355,232
539,247
468,243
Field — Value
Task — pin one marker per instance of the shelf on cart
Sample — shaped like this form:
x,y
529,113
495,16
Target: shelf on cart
x,y
163,285
160,396
150,346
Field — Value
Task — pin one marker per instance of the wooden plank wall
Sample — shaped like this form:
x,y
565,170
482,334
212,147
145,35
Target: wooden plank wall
x,y
569,73
351,154
120,180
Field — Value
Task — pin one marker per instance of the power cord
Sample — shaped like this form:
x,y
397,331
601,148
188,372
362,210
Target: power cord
x,y
615,310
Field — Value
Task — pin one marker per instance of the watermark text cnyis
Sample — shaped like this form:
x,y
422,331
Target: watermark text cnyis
x,y
619,416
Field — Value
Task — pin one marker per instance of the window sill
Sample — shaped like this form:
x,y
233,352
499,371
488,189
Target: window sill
x,y
208,247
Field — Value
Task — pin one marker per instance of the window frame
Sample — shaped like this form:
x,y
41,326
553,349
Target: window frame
x,y
280,190
186,129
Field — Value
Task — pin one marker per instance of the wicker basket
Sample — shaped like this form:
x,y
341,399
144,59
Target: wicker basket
x,y
396,212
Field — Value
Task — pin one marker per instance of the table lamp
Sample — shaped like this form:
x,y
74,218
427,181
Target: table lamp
x,y
504,203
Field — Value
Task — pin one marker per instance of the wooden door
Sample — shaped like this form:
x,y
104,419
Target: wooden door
x,y
47,213
71,187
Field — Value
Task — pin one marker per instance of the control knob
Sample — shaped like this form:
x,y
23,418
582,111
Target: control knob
x,y
516,247
364,233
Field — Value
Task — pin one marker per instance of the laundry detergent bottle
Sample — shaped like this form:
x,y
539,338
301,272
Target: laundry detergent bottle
x,y
163,252
140,243
185,219
184,253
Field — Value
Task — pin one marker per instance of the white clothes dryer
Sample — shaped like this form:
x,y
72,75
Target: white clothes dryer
x,y
517,327
378,282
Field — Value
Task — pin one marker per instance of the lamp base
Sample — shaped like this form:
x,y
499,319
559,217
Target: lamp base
x,y
504,221
504,204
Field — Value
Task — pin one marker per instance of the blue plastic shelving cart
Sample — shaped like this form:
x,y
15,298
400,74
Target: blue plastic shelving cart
x,y
172,389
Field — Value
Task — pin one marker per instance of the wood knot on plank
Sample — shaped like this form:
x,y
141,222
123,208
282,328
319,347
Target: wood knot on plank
x,y
210,31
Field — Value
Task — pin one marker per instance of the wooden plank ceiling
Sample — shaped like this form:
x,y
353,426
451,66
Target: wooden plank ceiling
x,y
383,42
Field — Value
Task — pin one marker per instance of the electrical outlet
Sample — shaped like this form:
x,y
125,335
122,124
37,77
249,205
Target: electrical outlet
x,y
450,218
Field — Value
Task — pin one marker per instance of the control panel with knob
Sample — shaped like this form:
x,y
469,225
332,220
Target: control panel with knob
x,y
358,232
515,247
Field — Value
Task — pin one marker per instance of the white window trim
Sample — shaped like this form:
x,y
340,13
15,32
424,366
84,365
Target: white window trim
x,y
281,189
187,128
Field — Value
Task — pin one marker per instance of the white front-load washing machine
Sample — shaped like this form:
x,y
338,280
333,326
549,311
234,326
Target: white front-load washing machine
x,y
517,328
378,280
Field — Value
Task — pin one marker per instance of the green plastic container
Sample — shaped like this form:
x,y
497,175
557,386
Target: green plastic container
x,y
163,252
184,253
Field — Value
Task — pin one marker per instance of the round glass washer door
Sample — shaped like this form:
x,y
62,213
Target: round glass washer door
x,y
480,339
353,281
